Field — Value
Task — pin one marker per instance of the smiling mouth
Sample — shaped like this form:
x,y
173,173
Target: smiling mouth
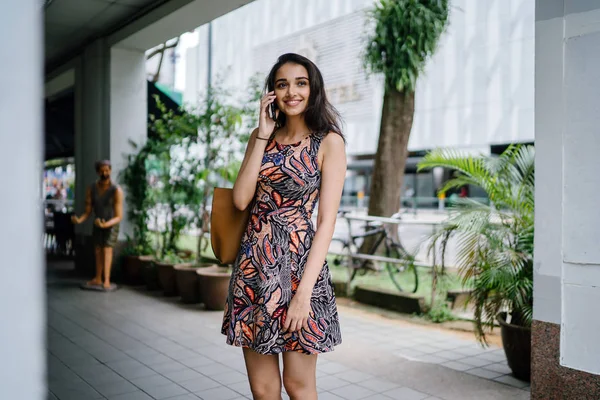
x,y
293,102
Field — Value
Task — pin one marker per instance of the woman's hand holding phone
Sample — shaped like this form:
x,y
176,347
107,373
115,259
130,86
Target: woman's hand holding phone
x,y
266,124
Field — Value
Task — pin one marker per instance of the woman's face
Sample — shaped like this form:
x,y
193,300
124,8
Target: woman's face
x,y
292,89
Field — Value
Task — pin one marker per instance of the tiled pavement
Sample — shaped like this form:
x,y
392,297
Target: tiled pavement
x,y
135,345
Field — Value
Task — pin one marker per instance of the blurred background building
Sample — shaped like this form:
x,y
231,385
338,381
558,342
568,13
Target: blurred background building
x,y
476,93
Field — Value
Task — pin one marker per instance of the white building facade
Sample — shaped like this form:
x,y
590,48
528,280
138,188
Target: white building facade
x,y
476,91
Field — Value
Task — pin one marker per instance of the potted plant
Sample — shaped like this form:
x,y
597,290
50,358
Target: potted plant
x,y
150,273
135,258
167,195
214,285
133,177
200,149
166,271
217,132
495,243
187,281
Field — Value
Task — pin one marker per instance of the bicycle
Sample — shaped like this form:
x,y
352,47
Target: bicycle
x,y
399,263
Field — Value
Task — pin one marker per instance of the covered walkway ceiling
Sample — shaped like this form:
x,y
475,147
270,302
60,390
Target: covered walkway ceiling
x,y
70,24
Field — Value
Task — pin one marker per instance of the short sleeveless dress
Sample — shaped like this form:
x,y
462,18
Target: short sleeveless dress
x,y
273,254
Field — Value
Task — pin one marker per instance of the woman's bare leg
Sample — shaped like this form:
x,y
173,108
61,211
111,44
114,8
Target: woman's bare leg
x,y
263,374
300,375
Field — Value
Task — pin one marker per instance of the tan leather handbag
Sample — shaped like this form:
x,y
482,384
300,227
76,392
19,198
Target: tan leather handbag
x,y
227,225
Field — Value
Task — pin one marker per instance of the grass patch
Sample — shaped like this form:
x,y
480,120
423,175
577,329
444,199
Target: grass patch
x,y
382,280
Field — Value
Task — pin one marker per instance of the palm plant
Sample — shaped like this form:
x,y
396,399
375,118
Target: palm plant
x,y
495,241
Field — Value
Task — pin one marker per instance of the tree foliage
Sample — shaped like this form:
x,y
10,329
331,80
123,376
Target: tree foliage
x,y
405,35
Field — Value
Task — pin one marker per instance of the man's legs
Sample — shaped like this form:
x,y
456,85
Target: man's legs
x,y
107,255
99,266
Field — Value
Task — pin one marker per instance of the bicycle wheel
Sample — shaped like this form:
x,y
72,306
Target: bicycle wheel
x,y
404,275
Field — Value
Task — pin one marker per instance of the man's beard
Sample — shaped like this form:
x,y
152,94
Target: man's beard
x,y
105,178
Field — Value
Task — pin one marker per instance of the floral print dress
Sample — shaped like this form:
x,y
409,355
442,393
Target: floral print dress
x,y
273,254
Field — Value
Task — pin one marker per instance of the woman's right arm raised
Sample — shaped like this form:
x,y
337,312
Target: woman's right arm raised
x,y
245,184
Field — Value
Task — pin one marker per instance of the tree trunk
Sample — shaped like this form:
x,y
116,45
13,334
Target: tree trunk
x,y
390,160
392,152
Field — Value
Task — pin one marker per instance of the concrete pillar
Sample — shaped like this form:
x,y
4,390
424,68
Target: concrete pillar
x,y
128,110
110,111
567,259
548,163
22,305
92,137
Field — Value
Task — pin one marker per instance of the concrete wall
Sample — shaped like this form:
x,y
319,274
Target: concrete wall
x,y
477,90
567,119
22,309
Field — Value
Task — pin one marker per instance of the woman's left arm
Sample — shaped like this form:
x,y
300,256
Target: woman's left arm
x,y
333,174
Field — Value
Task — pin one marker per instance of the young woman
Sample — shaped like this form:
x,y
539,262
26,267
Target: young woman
x,y
281,296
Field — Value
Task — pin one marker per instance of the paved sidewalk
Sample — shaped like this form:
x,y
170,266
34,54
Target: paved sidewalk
x,y
136,345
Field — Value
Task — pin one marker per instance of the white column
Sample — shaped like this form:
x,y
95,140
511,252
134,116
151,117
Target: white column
x,y
22,300
548,161
567,255
128,110
580,347
92,139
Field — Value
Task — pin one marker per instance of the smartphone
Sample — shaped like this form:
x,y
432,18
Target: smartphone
x,y
272,107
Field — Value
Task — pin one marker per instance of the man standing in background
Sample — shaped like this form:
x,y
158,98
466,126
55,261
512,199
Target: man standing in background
x,y
105,200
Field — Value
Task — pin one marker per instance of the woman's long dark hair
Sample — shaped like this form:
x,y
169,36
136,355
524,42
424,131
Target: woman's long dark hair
x,y
320,115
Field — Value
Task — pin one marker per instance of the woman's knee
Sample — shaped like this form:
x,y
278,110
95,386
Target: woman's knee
x,y
263,375
298,386
263,389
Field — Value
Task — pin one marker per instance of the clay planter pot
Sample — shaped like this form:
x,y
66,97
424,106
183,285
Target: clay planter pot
x,y
187,282
166,278
133,269
516,341
151,275
214,286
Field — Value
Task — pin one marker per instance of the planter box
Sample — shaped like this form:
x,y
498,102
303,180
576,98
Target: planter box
x,y
133,268
150,271
407,303
187,281
167,278
214,286
516,341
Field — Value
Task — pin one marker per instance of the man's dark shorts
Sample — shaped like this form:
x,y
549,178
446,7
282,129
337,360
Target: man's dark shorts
x,y
105,237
